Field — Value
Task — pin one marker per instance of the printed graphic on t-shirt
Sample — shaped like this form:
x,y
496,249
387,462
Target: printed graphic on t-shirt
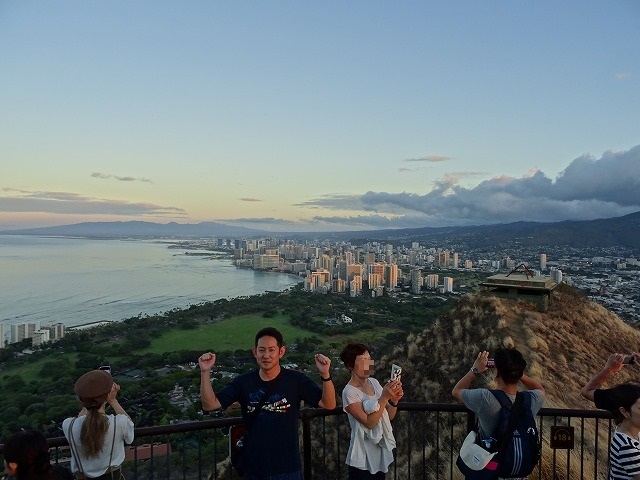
x,y
276,406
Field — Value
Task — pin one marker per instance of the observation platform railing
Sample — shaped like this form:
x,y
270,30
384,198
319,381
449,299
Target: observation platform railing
x,y
428,440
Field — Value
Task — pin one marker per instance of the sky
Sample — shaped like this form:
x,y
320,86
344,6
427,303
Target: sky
x,y
318,116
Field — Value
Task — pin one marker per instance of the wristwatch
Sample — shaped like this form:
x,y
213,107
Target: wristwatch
x,y
475,370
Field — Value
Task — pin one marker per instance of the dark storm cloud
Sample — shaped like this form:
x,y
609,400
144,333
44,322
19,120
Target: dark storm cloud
x,y
72,203
588,188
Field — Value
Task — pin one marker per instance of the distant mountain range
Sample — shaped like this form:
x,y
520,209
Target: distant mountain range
x,y
601,233
141,229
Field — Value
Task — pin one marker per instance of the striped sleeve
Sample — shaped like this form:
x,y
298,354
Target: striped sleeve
x,y
624,457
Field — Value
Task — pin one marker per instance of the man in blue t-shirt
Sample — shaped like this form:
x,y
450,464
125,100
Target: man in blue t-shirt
x,y
272,451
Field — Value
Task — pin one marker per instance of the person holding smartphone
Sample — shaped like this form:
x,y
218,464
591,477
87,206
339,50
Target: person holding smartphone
x,y
604,398
370,408
96,439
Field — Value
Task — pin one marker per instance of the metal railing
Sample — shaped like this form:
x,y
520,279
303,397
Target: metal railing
x,y
428,438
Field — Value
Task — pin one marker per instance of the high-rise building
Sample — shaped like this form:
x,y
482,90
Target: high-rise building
x,y
416,280
558,276
1,335
375,281
39,337
448,284
378,269
353,270
20,331
454,260
318,281
543,261
431,280
266,261
391,276
355,286
56,331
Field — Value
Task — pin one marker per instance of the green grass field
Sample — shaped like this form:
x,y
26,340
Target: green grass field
x,y
237,333
29,369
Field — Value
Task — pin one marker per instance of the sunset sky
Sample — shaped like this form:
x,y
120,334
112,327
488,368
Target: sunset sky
x,y
293,115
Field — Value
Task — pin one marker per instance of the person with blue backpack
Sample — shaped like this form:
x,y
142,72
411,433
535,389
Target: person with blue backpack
x,y
506,415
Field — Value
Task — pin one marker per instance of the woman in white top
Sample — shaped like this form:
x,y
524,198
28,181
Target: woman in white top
x,y
624,453
95,438
370,407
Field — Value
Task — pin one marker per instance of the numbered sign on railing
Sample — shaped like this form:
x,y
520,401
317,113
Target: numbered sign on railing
x,y
562,437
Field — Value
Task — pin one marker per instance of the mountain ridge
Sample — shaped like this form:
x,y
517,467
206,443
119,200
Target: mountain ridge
x,y
621,231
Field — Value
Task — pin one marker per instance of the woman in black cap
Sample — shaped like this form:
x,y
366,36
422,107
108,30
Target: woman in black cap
x,y
96,439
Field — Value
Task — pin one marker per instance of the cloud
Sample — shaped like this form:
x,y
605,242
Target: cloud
x,y
623,75
429,158
249,199
105,176
73,203
588,188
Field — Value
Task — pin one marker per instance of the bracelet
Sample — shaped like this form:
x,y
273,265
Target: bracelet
x,y
328,379
391,403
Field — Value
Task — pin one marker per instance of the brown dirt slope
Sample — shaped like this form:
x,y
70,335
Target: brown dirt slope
x,y
564,347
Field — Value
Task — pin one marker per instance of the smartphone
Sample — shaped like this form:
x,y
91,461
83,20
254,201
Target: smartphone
x,y
106,368
629,360
491,363
396,372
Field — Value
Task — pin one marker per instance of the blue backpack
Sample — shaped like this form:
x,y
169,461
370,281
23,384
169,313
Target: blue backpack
x,y
518,453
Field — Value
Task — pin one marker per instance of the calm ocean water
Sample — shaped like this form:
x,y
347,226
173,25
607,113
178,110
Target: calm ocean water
x,y
77,281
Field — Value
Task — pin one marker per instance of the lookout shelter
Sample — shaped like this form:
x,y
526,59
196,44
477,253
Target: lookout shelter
x,y
521,283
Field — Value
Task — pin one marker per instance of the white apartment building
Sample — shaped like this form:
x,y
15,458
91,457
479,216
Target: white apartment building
x,y
56,331
543,261
40,337
20,331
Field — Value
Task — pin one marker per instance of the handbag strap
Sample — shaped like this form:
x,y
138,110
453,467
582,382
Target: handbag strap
x,y
251,417
113,442
73,446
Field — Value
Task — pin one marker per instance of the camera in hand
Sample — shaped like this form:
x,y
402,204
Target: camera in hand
x,y
491,363
629,360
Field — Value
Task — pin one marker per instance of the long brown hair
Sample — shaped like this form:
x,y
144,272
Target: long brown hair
x,y
93,432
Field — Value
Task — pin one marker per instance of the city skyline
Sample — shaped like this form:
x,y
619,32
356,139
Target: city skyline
x,y
318,117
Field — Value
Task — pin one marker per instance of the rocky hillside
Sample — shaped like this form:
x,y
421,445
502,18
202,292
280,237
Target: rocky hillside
x,y
564,347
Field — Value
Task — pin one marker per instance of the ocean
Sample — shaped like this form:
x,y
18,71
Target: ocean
x,y
78,281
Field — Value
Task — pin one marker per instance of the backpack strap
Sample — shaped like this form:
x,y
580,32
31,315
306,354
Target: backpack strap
x,y
515,410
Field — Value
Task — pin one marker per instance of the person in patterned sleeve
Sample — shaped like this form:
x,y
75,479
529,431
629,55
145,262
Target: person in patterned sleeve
x,y
272,448
624,452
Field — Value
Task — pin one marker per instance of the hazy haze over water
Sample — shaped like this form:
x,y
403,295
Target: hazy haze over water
x,y
77,281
